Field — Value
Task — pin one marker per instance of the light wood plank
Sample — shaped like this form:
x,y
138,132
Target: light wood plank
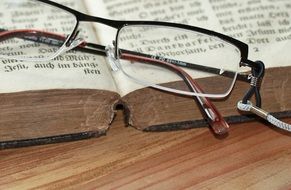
x,y
253,156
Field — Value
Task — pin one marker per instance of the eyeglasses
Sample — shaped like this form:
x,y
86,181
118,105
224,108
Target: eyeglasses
x,y
148,52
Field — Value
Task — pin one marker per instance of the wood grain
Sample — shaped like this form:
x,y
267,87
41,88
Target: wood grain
x,y
45,113
252,156
39,117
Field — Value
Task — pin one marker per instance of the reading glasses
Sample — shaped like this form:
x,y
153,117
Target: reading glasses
x,y
172,57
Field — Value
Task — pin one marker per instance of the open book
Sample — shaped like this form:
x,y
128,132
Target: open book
x,y
75,95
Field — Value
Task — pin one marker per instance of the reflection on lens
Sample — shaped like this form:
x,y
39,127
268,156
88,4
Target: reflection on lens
x,y
212,62
26,30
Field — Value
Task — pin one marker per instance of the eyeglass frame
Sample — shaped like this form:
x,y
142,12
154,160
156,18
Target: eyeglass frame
x,y
120,24
257,67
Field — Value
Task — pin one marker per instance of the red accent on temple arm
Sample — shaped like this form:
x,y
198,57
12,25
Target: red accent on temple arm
x,y
215,119
6,34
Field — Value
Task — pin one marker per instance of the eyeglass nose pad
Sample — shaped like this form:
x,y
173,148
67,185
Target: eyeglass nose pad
x,y
72,38
73,42
76,43
114,63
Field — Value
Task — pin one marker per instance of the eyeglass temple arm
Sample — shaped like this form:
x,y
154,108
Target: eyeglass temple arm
x,y
33,35
215,119
58,40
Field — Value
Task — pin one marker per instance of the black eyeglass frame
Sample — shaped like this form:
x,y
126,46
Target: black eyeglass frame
x,y
257,67
119,24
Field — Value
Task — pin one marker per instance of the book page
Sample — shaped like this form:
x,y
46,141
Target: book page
x,y
71,70
265,25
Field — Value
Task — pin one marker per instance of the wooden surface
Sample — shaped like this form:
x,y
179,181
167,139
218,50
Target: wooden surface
x,y
43,113
253,156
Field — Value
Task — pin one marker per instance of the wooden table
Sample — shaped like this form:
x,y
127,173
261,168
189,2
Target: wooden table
x,y
252,156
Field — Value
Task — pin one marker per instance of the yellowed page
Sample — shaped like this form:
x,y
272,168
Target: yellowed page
x,y
72,70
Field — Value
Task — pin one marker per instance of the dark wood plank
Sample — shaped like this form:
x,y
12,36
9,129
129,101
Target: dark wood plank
x,y
45,113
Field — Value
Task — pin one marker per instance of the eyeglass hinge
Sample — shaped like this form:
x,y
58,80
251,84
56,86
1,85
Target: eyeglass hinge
x,y
254,81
